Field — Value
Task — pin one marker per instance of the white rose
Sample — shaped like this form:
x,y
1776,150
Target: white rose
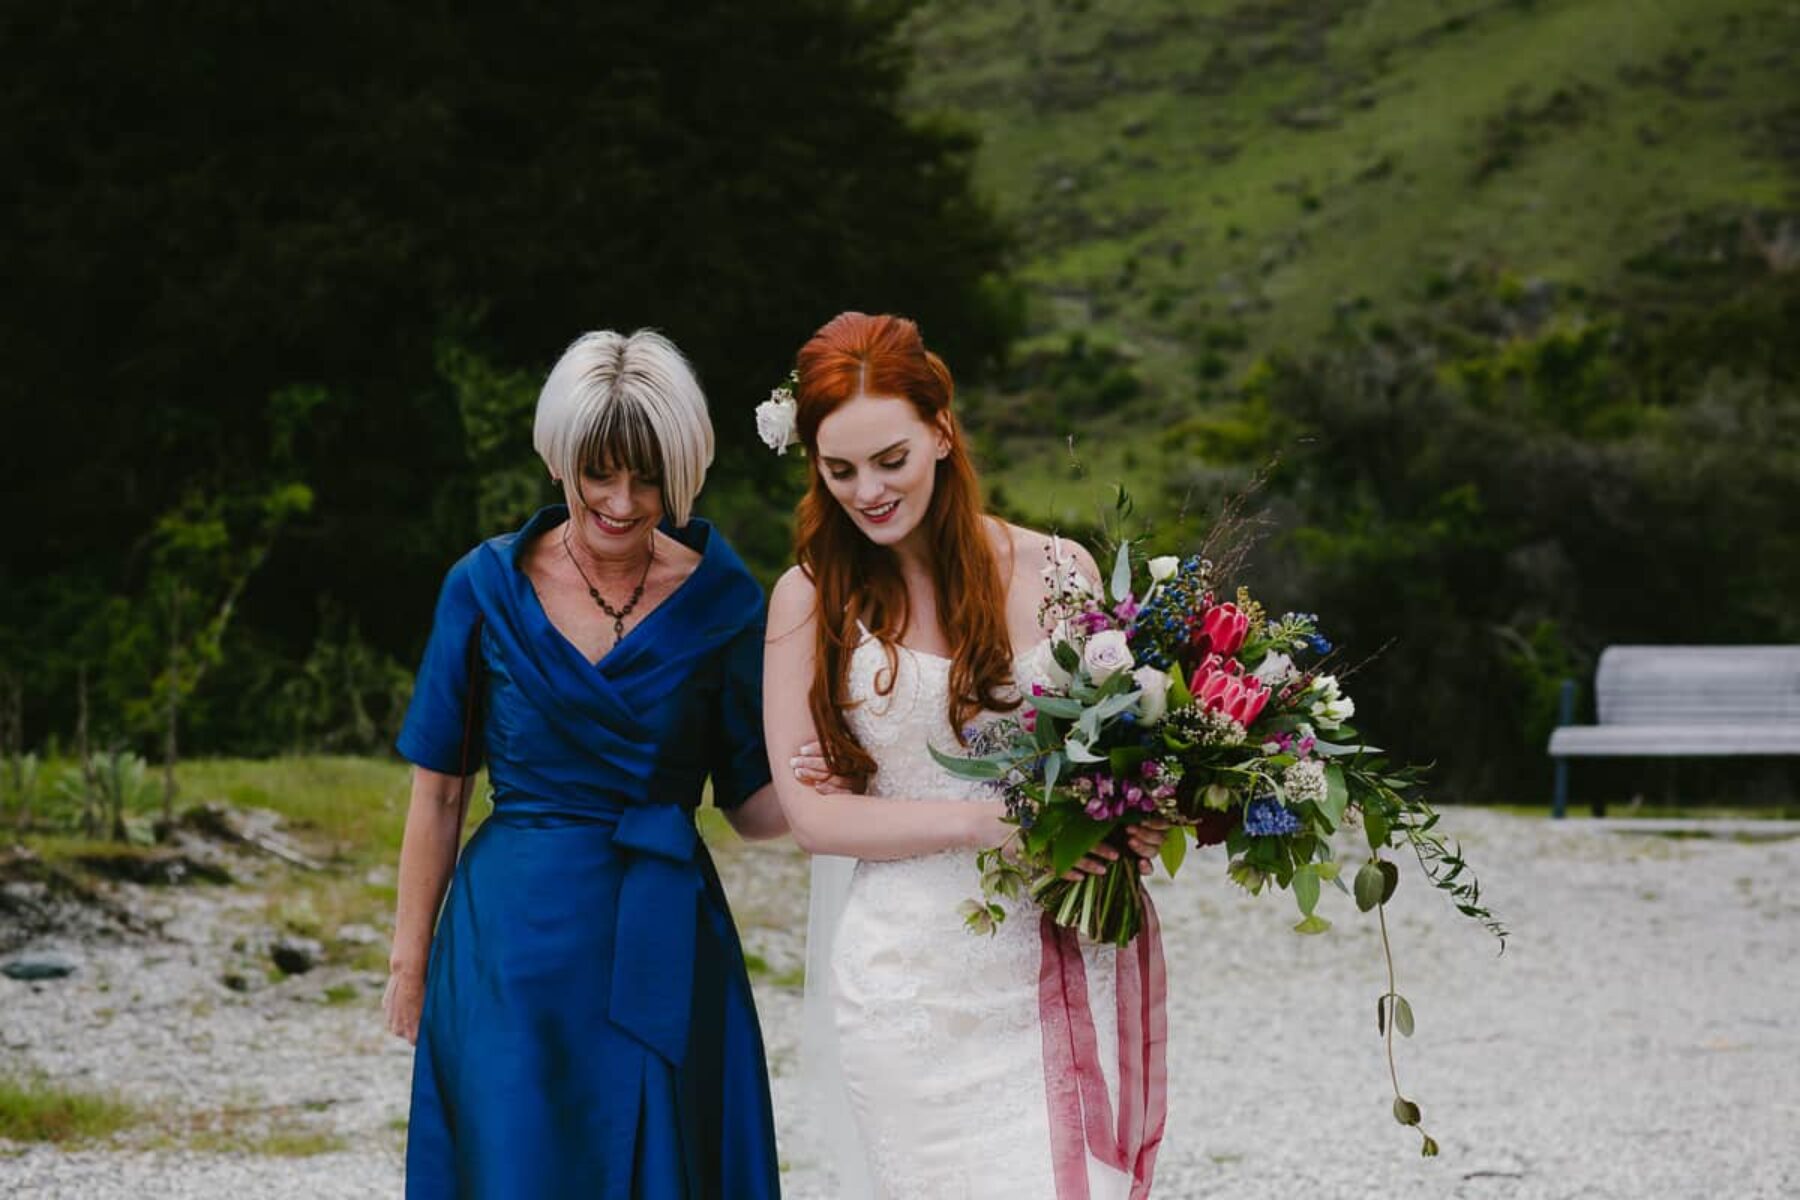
x,y
1106,655
1042,664
775,421
1275,669
1163,569
1155,701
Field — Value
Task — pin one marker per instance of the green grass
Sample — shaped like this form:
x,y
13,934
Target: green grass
x,y
351,809
349,813
1183,166
33,1109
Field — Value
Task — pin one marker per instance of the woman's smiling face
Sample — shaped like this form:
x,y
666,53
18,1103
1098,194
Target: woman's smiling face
x,y
619,508
879,459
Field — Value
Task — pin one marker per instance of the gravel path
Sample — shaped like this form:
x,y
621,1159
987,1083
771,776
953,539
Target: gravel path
x,y
1639,1039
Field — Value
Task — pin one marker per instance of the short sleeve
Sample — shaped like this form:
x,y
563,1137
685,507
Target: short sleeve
x,y
740,765
443,727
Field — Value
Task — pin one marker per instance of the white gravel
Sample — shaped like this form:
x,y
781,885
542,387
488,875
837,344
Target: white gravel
x,y
1639,1039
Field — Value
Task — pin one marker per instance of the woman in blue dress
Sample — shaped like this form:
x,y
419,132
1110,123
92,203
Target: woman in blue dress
x,y
582,1014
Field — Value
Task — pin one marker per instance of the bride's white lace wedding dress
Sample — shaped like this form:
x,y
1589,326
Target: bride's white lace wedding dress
x,y
939,1036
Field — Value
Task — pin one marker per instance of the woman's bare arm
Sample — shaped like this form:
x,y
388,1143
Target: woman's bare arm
x,y
760,817
427,856
871,827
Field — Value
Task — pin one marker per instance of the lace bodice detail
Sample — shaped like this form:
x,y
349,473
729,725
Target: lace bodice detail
x,y
898,728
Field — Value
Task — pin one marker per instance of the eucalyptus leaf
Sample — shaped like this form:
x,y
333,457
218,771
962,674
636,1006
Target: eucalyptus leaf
x,y
1112,706
1403,1018
1390,875
1078,752
1057,706
1381,1007
1065,656
968,768
1121,572
1053,764
1405,1111
1337,750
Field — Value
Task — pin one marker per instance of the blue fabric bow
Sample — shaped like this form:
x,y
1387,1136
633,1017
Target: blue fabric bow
x,y
659,908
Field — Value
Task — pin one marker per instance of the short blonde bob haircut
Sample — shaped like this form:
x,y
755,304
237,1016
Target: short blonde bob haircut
x,y
626,402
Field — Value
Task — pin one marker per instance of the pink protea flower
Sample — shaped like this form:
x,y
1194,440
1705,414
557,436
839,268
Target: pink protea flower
x,y
1224,628
1220,684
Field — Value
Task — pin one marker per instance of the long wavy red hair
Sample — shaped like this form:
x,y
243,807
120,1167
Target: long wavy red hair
x,y
858,581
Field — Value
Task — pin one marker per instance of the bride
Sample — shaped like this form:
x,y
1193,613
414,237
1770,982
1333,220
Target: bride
x,y
966,1065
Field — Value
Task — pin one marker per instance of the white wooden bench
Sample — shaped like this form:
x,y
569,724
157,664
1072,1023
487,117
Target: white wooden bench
x,y
1682,701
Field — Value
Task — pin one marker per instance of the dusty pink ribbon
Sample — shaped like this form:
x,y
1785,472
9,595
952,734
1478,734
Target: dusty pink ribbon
x,y
1081,1111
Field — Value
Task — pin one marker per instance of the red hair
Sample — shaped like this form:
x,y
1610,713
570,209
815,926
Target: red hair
x,y
859,581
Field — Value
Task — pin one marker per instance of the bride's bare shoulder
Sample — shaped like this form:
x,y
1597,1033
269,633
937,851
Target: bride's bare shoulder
x,y
1032,550
791,603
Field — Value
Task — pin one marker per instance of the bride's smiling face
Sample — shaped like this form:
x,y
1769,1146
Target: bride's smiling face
x,y
878,457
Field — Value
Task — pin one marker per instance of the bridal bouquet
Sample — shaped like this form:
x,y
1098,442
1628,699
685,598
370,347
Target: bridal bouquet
x,y
1155,697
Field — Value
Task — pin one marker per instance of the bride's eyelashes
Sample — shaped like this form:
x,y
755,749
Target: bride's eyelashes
x,y
842,473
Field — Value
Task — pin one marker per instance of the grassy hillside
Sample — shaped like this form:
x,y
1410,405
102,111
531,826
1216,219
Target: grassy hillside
x,y
1197,182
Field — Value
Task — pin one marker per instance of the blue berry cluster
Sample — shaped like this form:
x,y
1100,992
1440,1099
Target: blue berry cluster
x,y
1315,641
1269,817
1161,627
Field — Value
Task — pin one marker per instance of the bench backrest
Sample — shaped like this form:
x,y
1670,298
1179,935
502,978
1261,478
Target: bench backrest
x,y
1681,685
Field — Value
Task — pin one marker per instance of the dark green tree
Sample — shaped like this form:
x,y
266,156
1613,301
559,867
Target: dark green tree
x,y
212,204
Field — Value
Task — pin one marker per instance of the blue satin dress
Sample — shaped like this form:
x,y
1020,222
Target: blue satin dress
x,y
588,1028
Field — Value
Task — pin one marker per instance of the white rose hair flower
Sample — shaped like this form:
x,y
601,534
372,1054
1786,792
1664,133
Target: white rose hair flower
x,y
775,417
